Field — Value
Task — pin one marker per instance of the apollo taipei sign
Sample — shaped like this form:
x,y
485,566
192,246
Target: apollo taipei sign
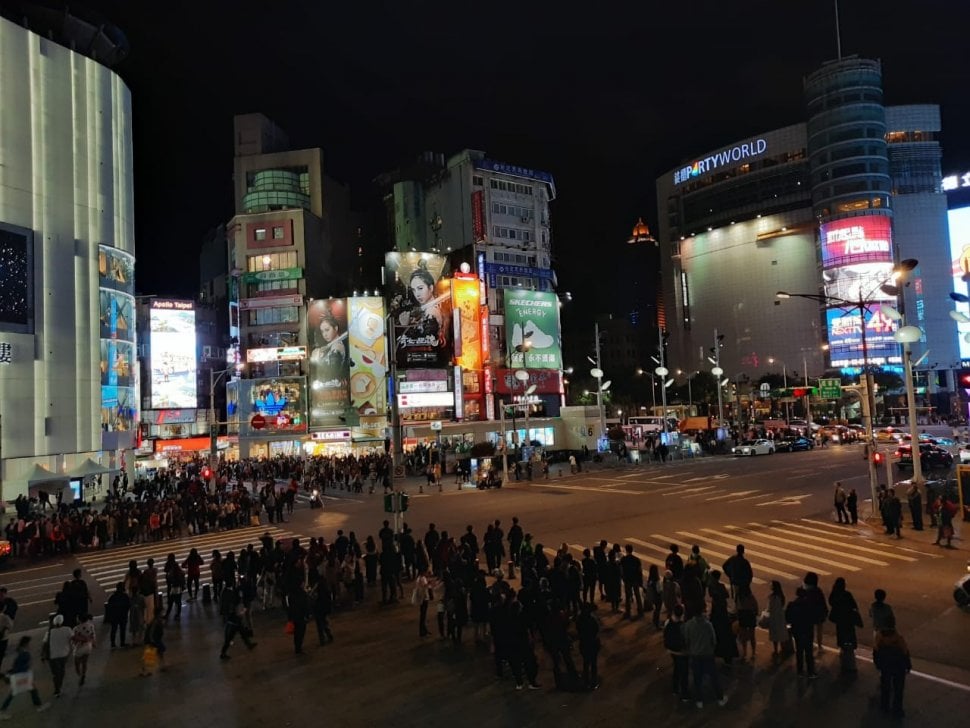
x,y
723,158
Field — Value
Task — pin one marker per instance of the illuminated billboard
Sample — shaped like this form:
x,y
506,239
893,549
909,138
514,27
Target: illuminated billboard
x,y
859,280
959,221
280,401
419,303
853,240
368,356
173,359
845,338
532,329
329,361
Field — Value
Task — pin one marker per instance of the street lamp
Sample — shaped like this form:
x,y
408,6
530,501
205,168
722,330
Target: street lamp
x,y
653,390
863,305
784,378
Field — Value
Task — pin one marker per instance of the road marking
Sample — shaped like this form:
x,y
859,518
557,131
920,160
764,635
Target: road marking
x,y
661,477
800,544
748,541
730,495
601,489
717,554
759,555
841,543
788,500
40,568
769,494
889,545
694,480
925,675
682,491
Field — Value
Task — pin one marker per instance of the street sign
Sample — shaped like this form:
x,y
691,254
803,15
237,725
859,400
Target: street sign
x,y
436,425
765,388
258,422
830,388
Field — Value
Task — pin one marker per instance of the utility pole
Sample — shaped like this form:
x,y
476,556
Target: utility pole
x,y
662,372
599,382
719,372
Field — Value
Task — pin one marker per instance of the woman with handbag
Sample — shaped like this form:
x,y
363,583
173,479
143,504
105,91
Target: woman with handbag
x,y
844,613
22,680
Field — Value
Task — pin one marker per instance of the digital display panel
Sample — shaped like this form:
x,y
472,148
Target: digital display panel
x,y
16,280
859,280
865,239
173,354
845,338
959,221
280,401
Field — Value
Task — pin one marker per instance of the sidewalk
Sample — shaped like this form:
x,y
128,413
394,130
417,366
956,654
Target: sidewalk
x,y
378,670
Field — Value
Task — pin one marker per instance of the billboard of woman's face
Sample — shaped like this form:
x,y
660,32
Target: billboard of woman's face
x,y
420,309
329,363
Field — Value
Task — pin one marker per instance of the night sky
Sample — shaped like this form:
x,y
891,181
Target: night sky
x,y
604,96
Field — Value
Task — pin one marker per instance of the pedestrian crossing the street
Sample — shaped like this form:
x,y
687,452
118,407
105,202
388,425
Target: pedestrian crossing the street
x,y
108,567
782,550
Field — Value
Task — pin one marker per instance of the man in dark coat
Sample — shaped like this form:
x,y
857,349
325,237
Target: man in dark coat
x,y
801,616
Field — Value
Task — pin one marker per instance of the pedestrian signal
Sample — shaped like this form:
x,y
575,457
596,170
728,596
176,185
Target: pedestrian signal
x,y
877,457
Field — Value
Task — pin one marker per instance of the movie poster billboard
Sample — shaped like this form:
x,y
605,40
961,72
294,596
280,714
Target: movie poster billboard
x,y
959,221
281,401
419,302
368,356
329,364
532,329
173,360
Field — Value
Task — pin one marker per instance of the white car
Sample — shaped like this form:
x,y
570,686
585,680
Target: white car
x,y
965,453
755,447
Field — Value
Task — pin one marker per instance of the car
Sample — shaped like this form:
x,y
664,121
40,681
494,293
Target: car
x,y
888,434
965,453
754,447
793,444
931,457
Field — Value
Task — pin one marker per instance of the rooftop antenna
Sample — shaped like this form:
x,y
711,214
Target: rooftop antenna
x,y
838,34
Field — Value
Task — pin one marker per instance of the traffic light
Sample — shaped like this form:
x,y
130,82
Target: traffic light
x,y
206,473
877,457
963,378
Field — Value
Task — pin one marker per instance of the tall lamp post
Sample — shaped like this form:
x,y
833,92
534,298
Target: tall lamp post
x,y
863,304
653,388
784,379
717,371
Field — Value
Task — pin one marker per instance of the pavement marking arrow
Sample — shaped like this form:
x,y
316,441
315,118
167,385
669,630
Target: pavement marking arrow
x,y
789,500
769,494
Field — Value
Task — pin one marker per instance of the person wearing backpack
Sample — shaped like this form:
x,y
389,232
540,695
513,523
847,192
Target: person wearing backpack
x,y
675,644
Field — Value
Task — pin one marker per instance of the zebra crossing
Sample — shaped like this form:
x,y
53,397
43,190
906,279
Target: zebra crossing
x,y
109,567
777,549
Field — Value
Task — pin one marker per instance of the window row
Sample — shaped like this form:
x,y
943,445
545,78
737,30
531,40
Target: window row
x,y
271,261
281,315
523,213
519,189
517,258
504,233
262,233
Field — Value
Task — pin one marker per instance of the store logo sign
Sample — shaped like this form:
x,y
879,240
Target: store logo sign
x,y
720,159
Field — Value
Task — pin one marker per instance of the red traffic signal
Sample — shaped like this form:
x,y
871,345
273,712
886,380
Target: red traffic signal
x,y
206,473
963,378
877,457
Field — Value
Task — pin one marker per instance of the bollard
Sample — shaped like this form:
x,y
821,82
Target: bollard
x,y
511,570
420,486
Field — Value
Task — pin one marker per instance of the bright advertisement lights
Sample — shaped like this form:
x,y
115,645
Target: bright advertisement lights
x,y
173,349
845,338
959,220
468,331
858,280
856,240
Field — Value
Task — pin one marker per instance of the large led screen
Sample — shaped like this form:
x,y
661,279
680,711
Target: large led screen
x,y
16,280
845,338
281,402
959,220
419,303
866,239
859,280
329,363
173,361
532,329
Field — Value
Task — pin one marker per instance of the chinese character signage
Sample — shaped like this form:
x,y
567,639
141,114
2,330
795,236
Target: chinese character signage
x,y
532,329
845,338
865,239
419,304
329,361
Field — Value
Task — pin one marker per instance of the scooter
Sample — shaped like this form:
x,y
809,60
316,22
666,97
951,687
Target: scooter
x,y
315,500
961,590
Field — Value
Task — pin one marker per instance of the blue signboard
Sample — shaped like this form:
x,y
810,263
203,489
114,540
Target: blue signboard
x,y
845,338
513,170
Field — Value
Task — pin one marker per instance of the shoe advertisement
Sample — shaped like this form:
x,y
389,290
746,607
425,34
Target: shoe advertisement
x,y
532,328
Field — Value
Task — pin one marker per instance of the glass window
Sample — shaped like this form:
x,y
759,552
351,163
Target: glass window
x,y
281,315
277,232
260,233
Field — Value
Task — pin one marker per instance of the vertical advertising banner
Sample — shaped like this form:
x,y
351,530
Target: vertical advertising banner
x,y
532,329
174,375
368,356
959,221
478,215
419,302
329,365
466,309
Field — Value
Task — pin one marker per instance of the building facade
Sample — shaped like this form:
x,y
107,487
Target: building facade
x,y
68,378
825,208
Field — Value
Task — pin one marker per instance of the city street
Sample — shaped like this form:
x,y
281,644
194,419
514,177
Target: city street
x,y
778,505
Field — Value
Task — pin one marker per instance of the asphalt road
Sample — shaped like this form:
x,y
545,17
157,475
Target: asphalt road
x,y
779,506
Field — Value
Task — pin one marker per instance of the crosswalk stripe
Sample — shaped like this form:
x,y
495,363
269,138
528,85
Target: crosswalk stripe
x,y
759,555
894,546
146,550
224,540
754,541
716,554
843,544
769,494
692,490
730,495
761,534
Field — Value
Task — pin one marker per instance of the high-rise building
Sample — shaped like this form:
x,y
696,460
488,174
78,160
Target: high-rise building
x,y
68,379
822,208
494,217
289,242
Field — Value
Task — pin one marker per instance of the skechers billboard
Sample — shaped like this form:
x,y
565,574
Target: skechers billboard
x,y
532,329
419,302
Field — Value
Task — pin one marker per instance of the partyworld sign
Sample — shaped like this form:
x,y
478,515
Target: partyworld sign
x,y
723,158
